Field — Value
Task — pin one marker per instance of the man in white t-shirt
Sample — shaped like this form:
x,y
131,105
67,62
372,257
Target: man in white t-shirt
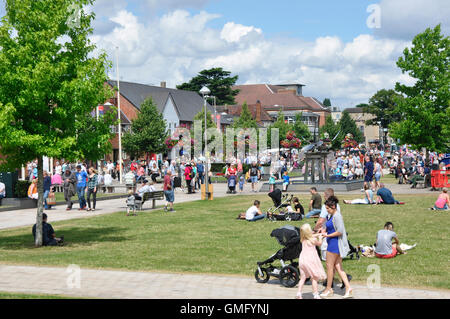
x,y
144,189
254,213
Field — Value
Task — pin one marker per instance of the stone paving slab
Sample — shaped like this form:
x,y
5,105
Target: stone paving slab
x,y
148,285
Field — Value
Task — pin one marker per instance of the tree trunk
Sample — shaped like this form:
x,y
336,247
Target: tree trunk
x,y
40,206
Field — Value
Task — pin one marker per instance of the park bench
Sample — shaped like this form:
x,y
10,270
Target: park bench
x,y
154,196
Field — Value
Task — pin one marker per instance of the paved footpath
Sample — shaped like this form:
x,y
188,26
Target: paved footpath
x,y
148,285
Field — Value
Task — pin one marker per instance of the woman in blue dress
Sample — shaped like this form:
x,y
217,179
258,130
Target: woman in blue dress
x,y
337,248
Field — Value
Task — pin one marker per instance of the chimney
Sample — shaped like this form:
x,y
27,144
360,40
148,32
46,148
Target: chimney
x,y
163,84
258,111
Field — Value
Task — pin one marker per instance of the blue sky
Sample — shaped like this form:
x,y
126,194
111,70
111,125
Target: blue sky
x,y
297,18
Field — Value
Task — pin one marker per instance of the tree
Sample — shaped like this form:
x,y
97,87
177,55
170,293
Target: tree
x,y
148,132
383,105
50,82
245,120
348,125
424,110
218,81
282,126
301,129
333,130
327,102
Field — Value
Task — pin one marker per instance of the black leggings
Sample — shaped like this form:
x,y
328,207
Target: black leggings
x,y
94,201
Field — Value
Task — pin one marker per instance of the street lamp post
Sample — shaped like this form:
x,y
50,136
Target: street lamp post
x,y
119,113
205,92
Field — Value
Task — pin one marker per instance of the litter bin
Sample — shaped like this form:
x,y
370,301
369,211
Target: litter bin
x,y
9,179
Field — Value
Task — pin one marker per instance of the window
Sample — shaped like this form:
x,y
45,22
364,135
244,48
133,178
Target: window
x,y
361,128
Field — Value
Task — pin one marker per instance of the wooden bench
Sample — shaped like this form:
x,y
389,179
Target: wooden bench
x,y
154,196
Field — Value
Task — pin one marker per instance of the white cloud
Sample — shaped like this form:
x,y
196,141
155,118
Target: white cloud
x,y
403,19
233,32
176,46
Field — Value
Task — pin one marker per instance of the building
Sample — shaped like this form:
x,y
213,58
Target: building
x,y
177,106
285,97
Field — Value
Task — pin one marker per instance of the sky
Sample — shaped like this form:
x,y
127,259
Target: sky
x,y
343,50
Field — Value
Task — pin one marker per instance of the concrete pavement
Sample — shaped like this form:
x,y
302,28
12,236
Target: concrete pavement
x,y
152,285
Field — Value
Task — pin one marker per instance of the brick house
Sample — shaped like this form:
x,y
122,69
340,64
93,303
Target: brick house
x,y
177,106
267,100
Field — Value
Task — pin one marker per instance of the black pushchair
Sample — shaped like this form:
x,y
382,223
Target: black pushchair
x,y
232,180
280,209
289,237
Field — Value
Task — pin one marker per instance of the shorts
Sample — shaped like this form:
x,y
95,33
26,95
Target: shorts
x,y
170,197
254,179
377,177
391,255
368,178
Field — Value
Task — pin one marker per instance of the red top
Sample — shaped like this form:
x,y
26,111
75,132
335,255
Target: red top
x,y
167,182
232,171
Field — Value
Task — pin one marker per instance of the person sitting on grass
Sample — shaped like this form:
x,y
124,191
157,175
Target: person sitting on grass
x,y
298,208
253,213
385,196
368,199
385,248
48,234
315,205
443,201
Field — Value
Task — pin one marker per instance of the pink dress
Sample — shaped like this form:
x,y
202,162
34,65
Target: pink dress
x,y
309,262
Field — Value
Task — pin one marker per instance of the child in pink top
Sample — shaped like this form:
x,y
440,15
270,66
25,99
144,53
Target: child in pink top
x,y
309,261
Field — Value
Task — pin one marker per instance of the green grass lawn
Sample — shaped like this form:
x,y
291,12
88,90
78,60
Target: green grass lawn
x,y
14,295
205,237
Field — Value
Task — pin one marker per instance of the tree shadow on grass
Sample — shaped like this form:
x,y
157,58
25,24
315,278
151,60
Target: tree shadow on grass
x,y
75,236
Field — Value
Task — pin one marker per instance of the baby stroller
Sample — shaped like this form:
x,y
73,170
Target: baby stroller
x,y
282,209
289,275
232,180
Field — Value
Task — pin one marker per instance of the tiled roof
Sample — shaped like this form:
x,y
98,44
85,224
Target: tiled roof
x,y
187,103
236,110
270,98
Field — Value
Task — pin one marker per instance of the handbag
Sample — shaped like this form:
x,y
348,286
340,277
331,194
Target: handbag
x,y
51,199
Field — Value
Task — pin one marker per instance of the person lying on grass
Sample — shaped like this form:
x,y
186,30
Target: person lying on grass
x,y
368,199
48,234
385,248
253,213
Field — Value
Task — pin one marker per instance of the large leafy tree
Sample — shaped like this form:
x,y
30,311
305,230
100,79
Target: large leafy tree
x,y
383,106
148,132
219,81
50,84
424,110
